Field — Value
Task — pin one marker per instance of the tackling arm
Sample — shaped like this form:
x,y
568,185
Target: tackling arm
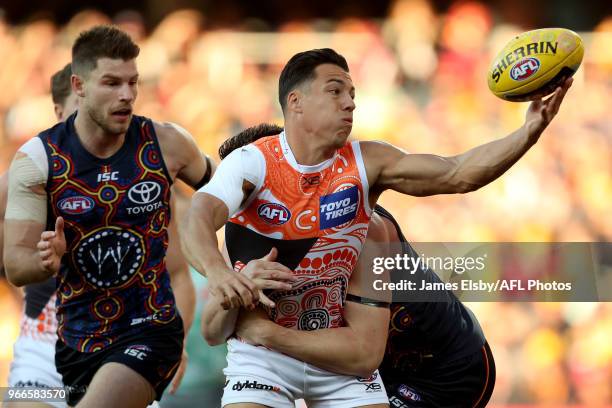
x,y
356,349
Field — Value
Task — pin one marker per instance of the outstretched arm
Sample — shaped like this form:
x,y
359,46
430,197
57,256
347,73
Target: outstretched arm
x,y
424,174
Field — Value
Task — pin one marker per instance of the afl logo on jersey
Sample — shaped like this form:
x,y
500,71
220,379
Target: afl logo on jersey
x,y
76,205
274,213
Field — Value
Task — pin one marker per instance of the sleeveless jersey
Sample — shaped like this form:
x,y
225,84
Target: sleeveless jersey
x,y
113,277
445,329
317,220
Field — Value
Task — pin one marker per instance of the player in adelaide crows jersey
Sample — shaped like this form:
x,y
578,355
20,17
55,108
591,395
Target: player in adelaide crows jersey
x,y
100,183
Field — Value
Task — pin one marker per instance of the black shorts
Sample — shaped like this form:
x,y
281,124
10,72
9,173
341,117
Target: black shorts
x,y
465,382
154,352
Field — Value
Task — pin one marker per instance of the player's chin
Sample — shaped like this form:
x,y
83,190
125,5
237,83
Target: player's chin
x,y
342,136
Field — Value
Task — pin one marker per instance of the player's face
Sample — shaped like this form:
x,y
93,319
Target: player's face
x,y
329,103
62,111
109,94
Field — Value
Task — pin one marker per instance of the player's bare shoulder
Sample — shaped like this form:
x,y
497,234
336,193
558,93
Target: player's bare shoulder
x,y
177,146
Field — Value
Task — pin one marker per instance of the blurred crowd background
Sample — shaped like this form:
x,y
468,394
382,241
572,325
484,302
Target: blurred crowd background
x,y
420,71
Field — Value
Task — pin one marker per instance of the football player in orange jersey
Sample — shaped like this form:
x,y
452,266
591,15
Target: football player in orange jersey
x,y
259,190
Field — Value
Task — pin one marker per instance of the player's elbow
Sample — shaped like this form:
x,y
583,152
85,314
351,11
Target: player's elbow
x,y
212,337
369,361
366,367
463,187
14,275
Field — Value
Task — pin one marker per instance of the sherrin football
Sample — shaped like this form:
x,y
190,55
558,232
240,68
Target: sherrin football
x,y
534,63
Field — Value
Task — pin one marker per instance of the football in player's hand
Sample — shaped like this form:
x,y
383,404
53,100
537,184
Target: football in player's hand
x,y
534,63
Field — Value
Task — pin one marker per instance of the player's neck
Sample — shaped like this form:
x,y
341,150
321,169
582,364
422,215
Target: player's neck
x,y
94,139
305,147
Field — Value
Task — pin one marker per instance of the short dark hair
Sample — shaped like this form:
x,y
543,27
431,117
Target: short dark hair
x,y
60,85
102,41
301,68
248,135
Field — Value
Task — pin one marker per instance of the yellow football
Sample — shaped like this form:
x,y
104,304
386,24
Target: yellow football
x,y
534,63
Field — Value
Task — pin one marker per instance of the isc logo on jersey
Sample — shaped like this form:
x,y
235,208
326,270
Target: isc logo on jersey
x,y
76,205
274,213
338,208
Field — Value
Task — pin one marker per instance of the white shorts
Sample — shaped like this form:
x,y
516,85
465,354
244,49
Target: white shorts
x,y
263,376
34,366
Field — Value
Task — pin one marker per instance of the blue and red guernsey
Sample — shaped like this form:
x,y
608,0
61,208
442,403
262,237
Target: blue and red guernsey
x,y
113,278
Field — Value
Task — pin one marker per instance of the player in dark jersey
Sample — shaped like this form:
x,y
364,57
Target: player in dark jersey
x,y
33,362
100,184
436,354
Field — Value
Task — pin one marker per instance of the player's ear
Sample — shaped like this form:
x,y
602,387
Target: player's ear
x,y
78,85
294,101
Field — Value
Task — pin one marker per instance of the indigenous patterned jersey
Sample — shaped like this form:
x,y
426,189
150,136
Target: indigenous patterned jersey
x,y
317,217
113,277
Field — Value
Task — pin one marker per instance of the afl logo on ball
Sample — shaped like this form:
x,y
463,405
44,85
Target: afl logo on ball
x,y
76,205
274,213
524,69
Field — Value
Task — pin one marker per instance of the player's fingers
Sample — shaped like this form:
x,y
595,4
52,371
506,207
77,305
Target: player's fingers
x,y
59,225
178,377
246,298
251,286
225,302
553,104
277,274
270,256
43,245
47,235
228,295
47,263
276,266
273,284
45,254
266,300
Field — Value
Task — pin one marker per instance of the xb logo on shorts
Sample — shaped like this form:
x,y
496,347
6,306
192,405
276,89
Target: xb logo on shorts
x,y
274,213
338,208
109,256
144,194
